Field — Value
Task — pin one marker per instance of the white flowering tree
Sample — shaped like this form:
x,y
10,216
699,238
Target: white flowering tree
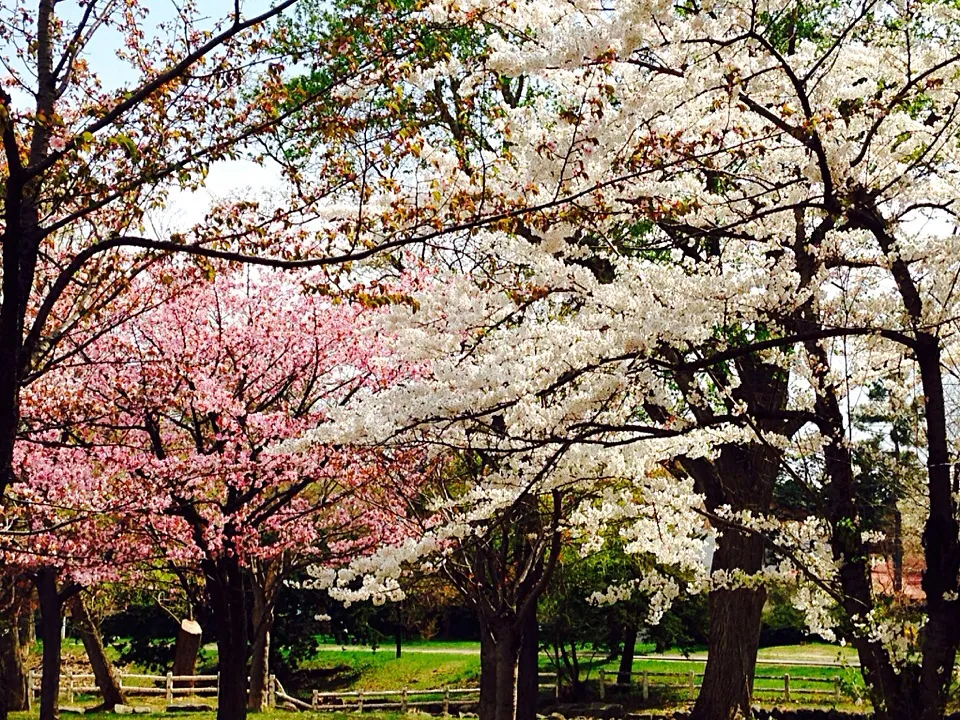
x,y
696,236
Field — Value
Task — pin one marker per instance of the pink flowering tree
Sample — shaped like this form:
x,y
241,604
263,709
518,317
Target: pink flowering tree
x,y
186,412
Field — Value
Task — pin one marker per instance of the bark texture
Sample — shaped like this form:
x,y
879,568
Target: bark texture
x,y
488,673
186,650
229,603
13,674
50,619
508,665
735,616
626,658
528,671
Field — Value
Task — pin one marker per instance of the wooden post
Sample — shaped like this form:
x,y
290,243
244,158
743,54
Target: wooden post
x,y
556,688
446,702
602,673
645,686
403,700
170,687
313,699
359,700
836,687
218,689
272,691
693,684
70,688
786,687
30,683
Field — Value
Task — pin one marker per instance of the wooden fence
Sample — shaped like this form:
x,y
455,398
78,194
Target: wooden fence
x,y
691,681
169,686
404,698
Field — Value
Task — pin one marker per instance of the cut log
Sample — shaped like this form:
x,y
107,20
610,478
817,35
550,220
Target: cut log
x,y
186,650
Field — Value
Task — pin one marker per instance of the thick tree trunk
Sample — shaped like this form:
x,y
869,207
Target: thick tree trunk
x,y
103,672
488,674
528,673
13,675
508,662
227,599
734,633
50,636
629,648
186,650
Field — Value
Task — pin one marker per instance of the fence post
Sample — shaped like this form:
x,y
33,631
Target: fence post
x,y
556,688
403,700
70,687
786,687
359,700
170,687
602,673
645,686
30,690
218,689
272,691
693,683
446,702
836,687
313,699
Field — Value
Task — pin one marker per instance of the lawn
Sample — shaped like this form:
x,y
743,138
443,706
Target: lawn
x,y
357,669
427,665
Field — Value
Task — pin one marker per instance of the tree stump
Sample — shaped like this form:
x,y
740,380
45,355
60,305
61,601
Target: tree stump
x,y
186,650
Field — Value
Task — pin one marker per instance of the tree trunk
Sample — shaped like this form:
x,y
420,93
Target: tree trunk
x,y
4,695
26,622
103,672
225,586
46,582
528,674
259,671
13,675
264,581
508,657
488,674
629,648
186,650
734,633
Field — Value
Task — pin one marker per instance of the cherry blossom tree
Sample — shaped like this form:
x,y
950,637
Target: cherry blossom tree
x,y
184,408
736,217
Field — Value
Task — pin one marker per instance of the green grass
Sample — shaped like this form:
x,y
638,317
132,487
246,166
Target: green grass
x,y
457,664
271,715
382,670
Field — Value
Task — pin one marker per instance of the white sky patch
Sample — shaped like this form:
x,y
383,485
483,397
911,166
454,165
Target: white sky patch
x,y
227,181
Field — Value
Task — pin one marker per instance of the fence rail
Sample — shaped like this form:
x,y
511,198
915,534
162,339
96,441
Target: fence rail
x,y
171,686
691,682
